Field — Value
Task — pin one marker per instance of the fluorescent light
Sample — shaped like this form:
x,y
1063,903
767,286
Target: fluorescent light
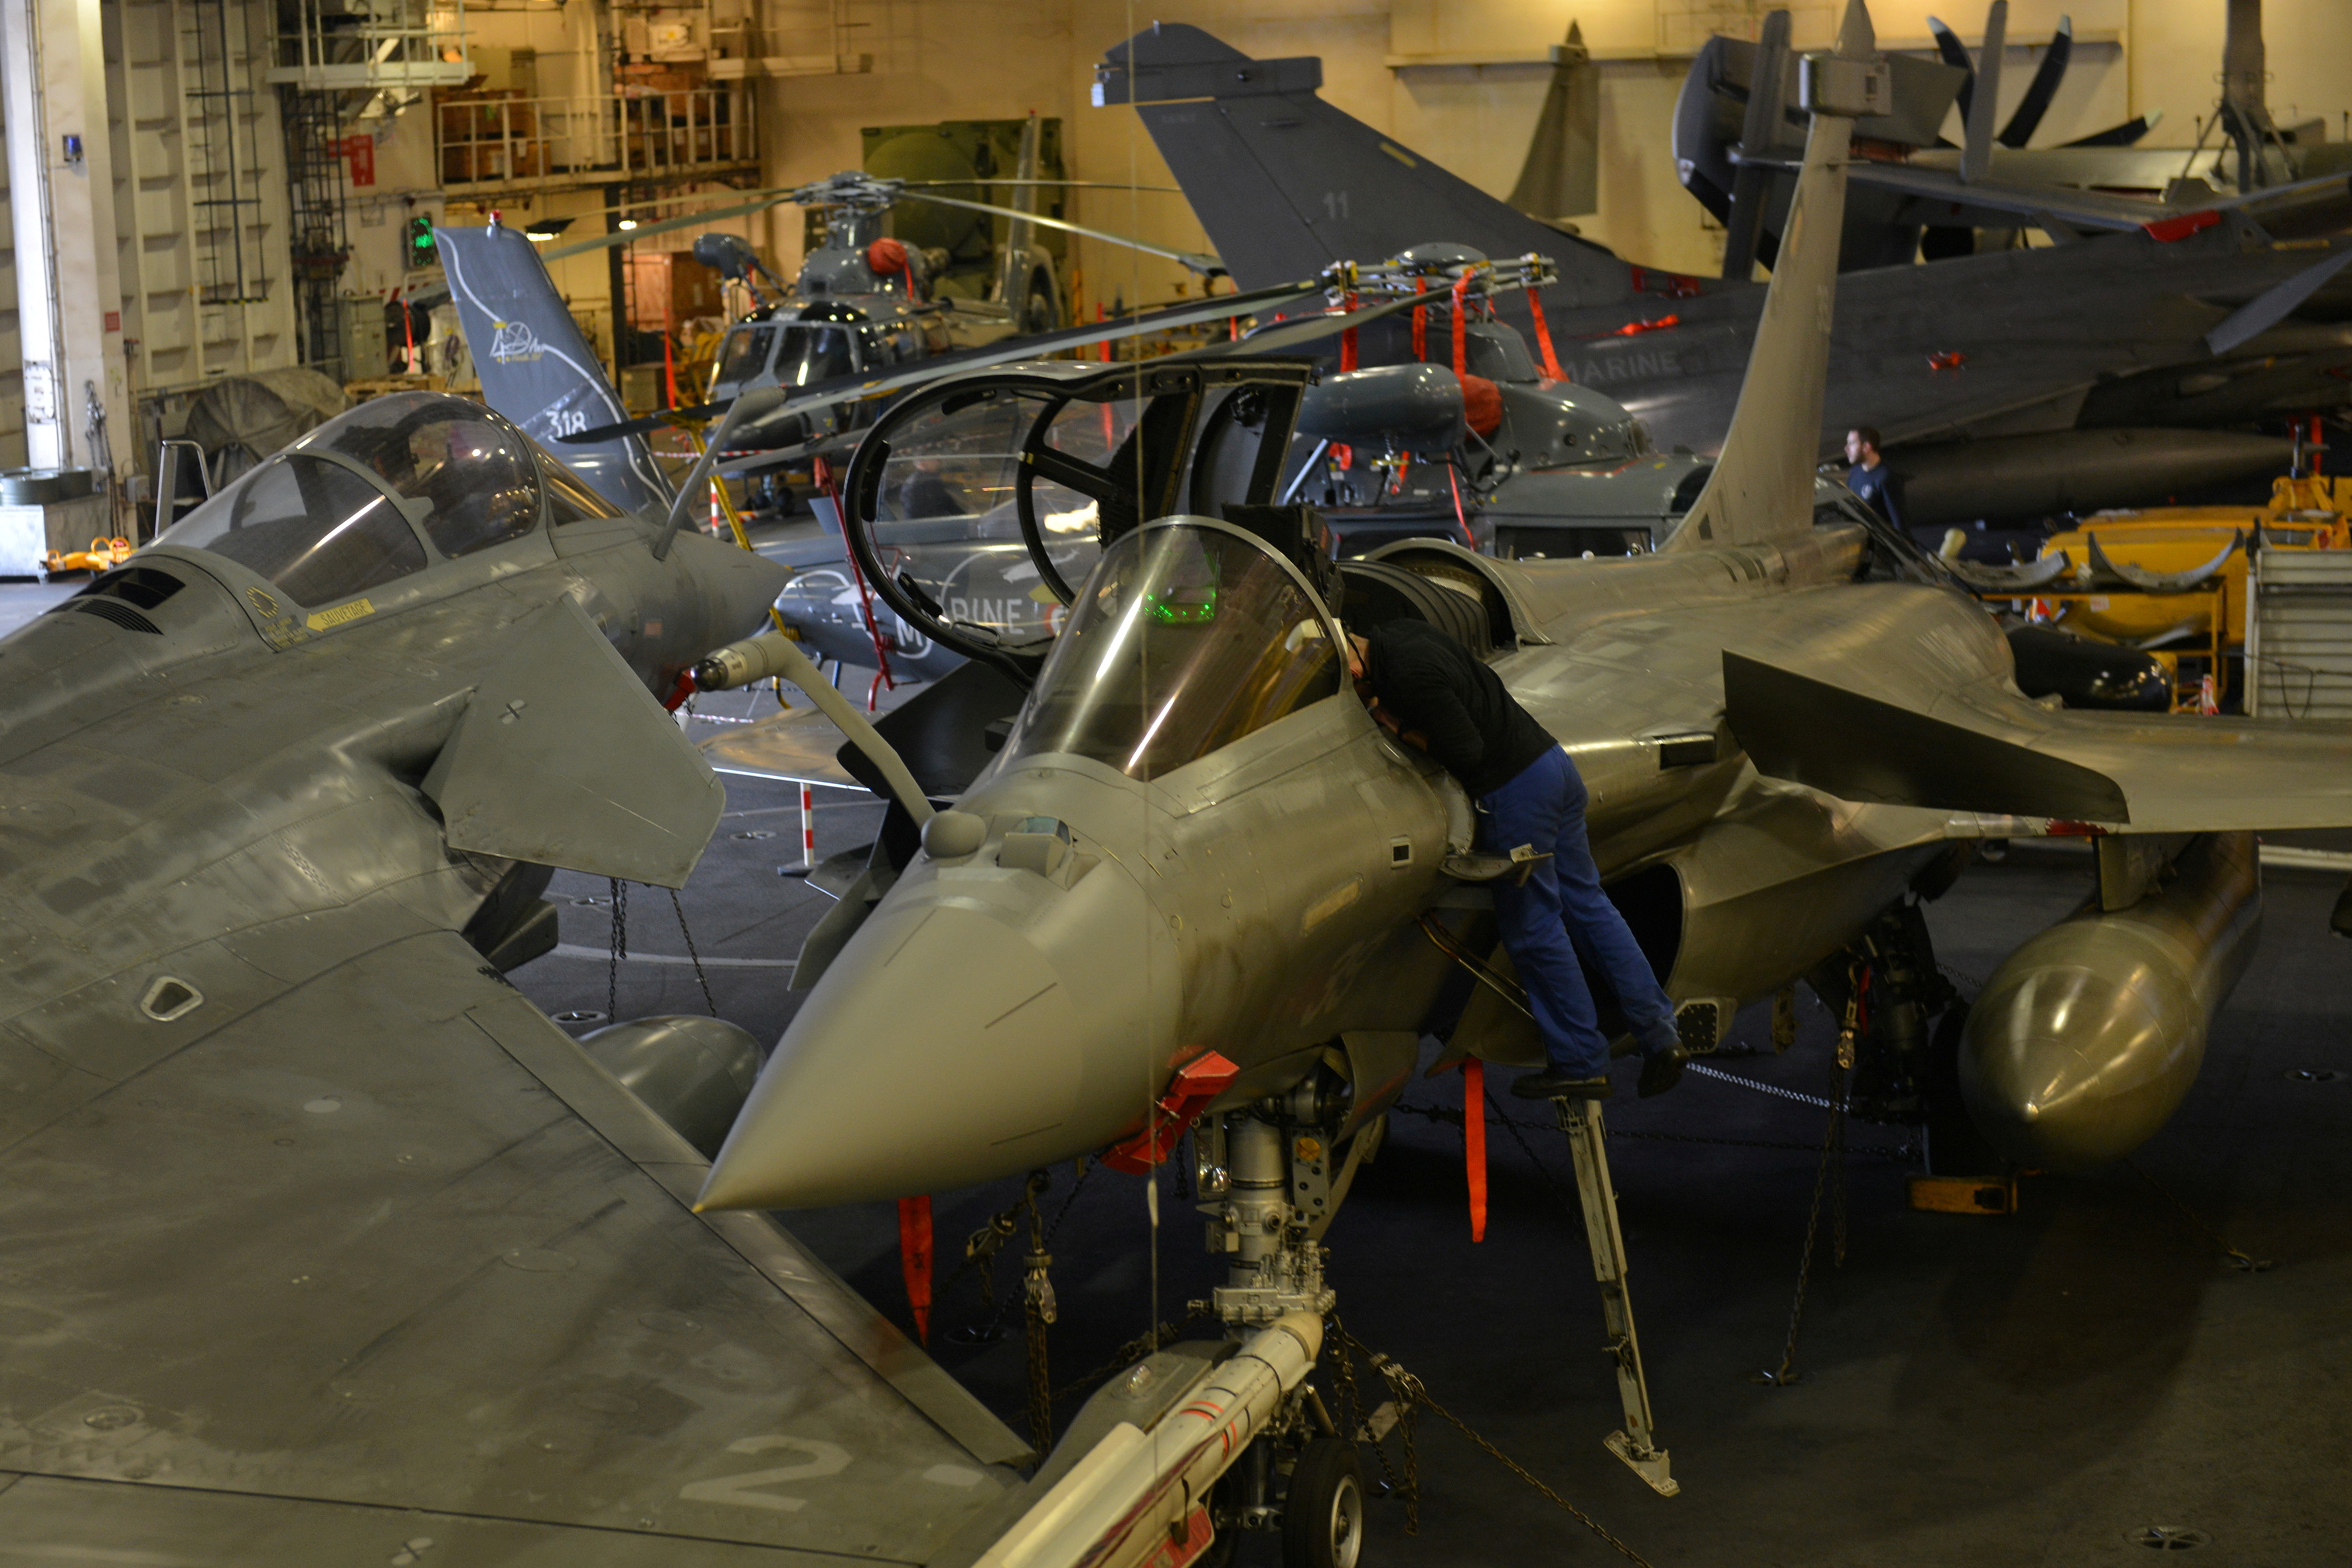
x,y
628,222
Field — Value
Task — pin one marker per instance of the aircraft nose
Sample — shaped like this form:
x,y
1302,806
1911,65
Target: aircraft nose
x,y
942,1047
2068,1064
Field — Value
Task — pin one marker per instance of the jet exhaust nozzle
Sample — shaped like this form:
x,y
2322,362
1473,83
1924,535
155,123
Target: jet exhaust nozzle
x,y
2087,1037
740,663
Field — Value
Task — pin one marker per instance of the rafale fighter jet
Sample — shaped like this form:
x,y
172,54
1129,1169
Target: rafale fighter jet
x,y
1917,195
2013,383
1196,867
317,1242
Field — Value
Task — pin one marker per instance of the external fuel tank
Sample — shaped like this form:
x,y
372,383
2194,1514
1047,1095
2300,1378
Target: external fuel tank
x,y
2087,1037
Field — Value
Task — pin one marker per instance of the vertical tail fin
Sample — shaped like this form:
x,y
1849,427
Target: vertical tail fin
x,y
1285,185
535,367
1762,487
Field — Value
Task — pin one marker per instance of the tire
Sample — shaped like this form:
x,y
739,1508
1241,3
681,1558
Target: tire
x,y
1954,1147
1323,1519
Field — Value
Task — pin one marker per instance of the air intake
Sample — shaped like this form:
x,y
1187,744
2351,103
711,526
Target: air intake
x,y
122,614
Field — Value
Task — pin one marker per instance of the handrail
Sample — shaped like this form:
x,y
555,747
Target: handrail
x,y
545,142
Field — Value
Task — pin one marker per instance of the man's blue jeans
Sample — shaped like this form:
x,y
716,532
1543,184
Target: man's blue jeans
x,y
1561,912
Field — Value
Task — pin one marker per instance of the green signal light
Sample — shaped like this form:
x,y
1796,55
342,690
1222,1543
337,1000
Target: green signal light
x,y
1184,607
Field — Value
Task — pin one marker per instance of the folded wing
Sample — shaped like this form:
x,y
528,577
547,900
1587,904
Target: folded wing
x,y
388,1257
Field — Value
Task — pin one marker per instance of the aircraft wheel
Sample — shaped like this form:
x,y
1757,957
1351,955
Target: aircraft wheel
x,y
1954,1147
1323,1519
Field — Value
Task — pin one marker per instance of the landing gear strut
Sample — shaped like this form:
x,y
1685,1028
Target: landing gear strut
x,y
1269,1178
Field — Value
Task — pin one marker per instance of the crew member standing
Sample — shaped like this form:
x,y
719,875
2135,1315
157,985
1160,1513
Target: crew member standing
x,y
1429,690
1868,476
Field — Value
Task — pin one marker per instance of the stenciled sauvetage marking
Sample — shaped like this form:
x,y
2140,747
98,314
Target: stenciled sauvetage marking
x,y
341,614
741,1489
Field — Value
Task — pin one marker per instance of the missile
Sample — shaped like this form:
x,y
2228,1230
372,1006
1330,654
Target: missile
x,y
2087,1037
1136,1491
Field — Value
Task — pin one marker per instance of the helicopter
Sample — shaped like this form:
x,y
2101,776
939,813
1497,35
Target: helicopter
x,y
866,302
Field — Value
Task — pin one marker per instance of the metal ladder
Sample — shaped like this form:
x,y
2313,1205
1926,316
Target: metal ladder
x,y
1635,1444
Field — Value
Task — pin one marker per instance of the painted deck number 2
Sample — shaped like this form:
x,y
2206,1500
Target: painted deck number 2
x,y
823,1459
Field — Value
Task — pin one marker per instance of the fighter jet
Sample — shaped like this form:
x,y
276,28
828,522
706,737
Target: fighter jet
x,y
2008,380
317,1242
1919,196
1196,880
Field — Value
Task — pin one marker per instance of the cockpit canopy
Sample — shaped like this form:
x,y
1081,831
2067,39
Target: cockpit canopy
x,y
384,491
1187,636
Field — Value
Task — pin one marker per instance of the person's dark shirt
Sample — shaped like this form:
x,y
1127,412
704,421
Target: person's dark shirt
x,y
1880,488
927,495
1431,683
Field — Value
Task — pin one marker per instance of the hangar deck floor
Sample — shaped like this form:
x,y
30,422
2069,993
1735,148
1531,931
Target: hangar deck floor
x,y
2025,1390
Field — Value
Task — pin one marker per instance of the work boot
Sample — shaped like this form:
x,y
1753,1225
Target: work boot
x,y
1553,1084
1662,1071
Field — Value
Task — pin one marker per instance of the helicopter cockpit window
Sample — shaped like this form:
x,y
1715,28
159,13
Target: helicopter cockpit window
x,y
318,531
1183,640
944,515
472,470
812,354
568,498
745,354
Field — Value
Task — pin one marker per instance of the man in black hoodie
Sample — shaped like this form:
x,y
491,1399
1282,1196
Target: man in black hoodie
x,y
1432,693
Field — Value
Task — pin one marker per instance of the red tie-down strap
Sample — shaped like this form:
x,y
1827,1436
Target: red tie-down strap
x,y
915,1260
1543,337
1198,1082
1462,324
1474,1142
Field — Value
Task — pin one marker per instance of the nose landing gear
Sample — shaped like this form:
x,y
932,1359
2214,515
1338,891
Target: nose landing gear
x,y
1270,1177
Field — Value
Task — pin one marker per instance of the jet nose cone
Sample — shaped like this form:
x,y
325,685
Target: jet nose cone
x,y
942,1047
2066,1065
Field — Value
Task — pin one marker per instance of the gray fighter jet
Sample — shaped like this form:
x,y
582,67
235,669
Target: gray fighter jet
x,y
317,1242
2148,341
1196,872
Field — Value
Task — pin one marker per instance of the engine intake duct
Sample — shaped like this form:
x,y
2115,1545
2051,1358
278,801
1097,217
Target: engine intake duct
x,y
1379,592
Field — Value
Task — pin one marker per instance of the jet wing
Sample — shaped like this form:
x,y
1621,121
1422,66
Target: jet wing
x,y
799,747
387,1270
1892,737
1943,196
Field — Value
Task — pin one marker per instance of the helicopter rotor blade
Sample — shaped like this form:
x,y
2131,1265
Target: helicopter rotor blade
x,y
852,389
1955,53
668,226
1074,185
1193,260
2047,77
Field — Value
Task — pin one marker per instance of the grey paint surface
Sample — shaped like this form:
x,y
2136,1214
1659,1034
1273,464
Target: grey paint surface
x,y
1007,1008
1284,183
308,1222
